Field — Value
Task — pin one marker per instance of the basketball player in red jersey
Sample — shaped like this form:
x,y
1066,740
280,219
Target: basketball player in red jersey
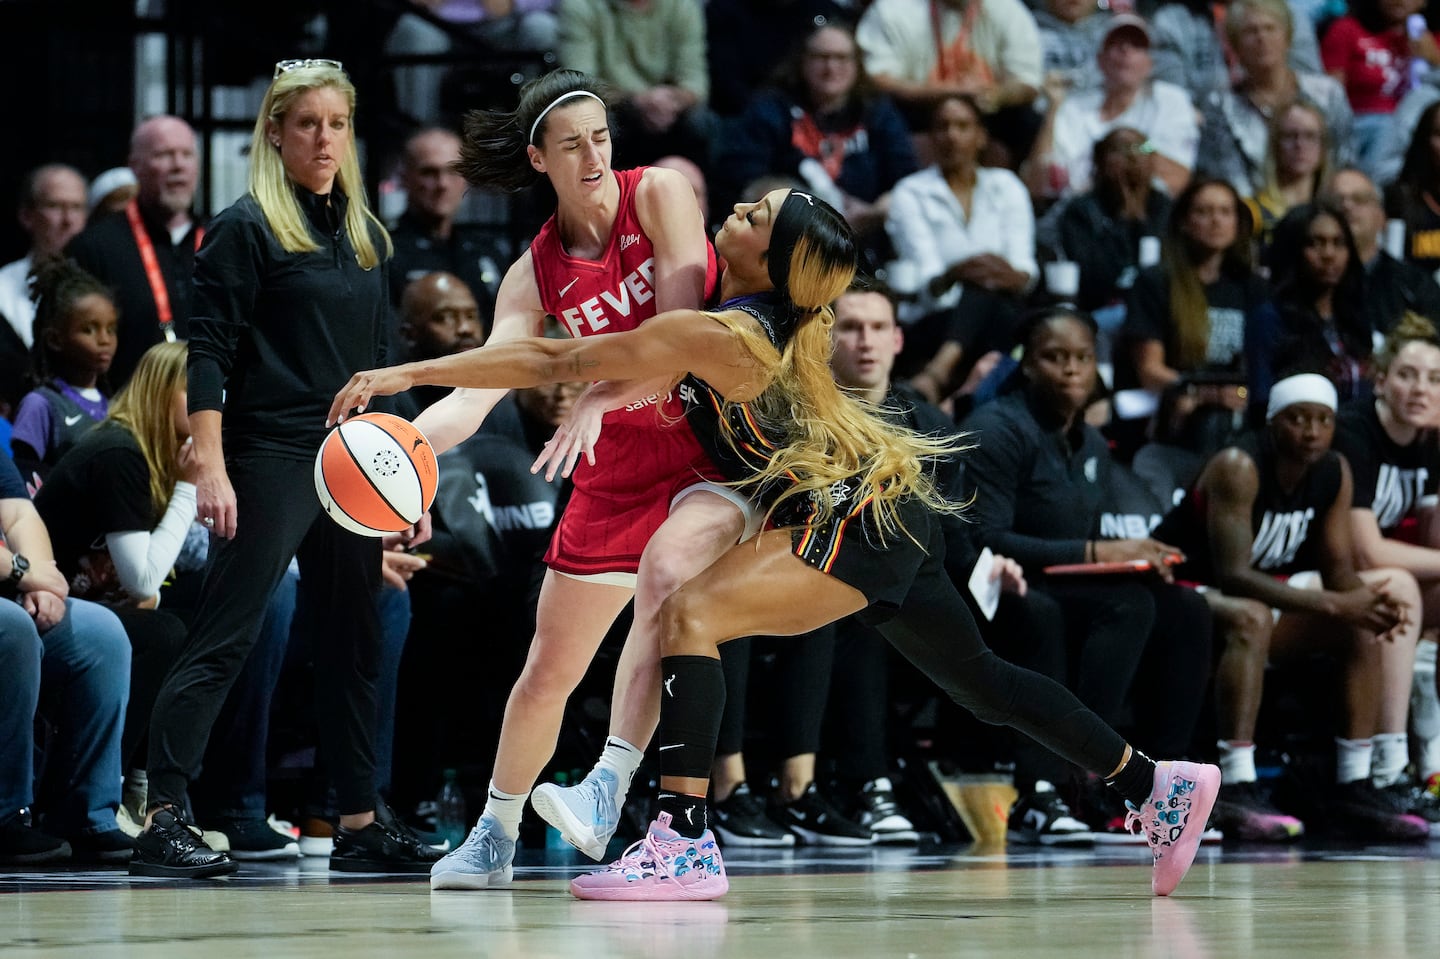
x,y
621,246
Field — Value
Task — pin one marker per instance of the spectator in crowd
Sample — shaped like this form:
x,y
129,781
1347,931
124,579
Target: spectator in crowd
x,y
1102,230
111,190
51,211
1391,447
1235,136
1127,97
653,53
1402,128
118,507
917,52
1297,159
748,40
1392,286
439,315
1186,318
1040,475
1070,33
825,126
272,332
1412,198
75,328
48,639
1190,48
1370,50
500,27
966,236
1317,281
147,255
1267,527
427,239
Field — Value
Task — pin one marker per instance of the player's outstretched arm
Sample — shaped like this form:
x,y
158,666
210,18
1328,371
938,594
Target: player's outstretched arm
x,y
668,345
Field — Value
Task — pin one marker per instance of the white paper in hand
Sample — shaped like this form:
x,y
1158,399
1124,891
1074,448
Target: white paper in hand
x,y
985,590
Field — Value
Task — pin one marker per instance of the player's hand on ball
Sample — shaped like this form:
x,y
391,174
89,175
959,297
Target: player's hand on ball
x,y
362,388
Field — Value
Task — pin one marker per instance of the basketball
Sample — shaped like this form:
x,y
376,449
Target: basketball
x,y
376,474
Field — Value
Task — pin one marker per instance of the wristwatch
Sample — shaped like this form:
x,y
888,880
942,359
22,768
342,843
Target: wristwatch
x,y
19,566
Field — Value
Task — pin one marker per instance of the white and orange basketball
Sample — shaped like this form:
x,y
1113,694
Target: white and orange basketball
x,y
376,474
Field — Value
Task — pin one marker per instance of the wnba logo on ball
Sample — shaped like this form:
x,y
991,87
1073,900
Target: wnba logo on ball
x,y
376,474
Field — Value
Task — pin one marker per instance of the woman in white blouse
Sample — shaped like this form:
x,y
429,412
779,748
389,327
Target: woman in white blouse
x,y
964,237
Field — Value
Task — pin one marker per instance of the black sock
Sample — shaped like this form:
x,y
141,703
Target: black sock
x,y
688,815
1136,779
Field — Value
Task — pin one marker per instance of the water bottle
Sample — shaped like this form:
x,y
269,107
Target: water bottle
x,y
553,839
450,818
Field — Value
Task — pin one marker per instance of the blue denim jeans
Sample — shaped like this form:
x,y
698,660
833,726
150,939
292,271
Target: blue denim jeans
x,y
76,674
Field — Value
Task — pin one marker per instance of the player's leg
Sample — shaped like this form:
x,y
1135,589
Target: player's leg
x,y
756,588
571,620
701,526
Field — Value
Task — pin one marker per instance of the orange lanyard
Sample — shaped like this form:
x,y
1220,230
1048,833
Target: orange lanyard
x,y
152,268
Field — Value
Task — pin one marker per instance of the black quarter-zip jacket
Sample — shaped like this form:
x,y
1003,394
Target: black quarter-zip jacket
x,y
275,335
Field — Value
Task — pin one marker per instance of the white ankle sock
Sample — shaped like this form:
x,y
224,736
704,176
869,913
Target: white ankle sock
x,y
506,808
622,759
1391,755
1352,759
1429,760
1237,762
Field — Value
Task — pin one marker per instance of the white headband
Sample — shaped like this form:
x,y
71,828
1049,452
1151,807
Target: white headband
x,y
1301,388
555,103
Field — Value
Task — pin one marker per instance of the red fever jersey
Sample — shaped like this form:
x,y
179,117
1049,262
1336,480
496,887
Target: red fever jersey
x,y
646,453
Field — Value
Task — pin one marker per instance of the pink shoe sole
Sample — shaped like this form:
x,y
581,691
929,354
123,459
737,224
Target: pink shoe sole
x,y
665,891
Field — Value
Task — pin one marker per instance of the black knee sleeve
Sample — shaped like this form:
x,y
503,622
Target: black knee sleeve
x,y
692,698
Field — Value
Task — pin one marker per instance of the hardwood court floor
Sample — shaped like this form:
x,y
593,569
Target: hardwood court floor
x,y
1311,901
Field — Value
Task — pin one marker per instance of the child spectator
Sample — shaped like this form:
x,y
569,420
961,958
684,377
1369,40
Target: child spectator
x,y
75,336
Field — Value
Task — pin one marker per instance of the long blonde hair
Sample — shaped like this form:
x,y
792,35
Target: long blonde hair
x,y
272,188
829,436
144,408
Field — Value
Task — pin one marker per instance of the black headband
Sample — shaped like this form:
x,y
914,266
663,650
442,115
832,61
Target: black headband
x,y
784,234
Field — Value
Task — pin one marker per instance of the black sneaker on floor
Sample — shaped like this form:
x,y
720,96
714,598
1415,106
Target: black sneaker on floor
x,y
876,810
818,822
741,821
1043,819
1360,810
174,849
109,848
21,844
255,840
1244,811
1407,797
380,848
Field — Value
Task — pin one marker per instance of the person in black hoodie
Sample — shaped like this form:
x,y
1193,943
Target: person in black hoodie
x,y
290,295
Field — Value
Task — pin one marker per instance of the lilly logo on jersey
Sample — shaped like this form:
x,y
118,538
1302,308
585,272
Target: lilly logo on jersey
x,y
628,240
595,314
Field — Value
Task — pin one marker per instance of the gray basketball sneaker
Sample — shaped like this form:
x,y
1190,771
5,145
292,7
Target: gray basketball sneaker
x,y
483,860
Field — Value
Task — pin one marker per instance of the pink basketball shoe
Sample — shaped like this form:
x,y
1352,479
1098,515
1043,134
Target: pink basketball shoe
x,y
1173,818
663,865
